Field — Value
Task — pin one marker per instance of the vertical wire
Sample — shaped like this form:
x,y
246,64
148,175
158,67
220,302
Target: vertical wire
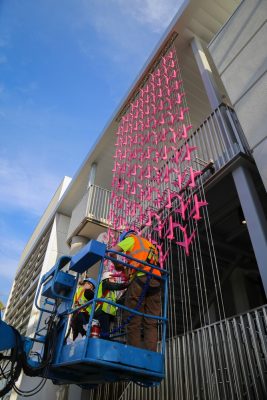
x,y
206,301
184,105
214,263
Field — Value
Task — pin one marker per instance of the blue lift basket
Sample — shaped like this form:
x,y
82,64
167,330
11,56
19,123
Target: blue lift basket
x,y
91,361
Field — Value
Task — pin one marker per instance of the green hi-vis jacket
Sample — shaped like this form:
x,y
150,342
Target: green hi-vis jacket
x,y
80,299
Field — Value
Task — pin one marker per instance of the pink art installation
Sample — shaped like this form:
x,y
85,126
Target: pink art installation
x,y
154,178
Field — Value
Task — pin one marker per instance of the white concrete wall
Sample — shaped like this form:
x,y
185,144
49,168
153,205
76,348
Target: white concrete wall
x,y
239,52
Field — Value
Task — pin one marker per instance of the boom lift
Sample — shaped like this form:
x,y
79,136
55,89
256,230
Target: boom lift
x,y
87,362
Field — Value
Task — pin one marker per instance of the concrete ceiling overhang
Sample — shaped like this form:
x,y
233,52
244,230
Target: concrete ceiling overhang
x,y
201,18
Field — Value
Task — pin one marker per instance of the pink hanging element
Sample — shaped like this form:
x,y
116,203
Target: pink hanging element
x,y
197,205
162,257
185,129
153,163
183,206
182,113
187,240
169,234
180,179
193,175
189,150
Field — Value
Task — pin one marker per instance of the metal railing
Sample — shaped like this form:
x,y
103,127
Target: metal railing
x,y
98,203
225,360
94,205
220,137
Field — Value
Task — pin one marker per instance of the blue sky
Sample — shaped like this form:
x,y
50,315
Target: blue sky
x,y
64,67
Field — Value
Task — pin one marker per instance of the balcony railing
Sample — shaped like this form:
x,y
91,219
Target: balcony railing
x,y
93,206
225,360
219,138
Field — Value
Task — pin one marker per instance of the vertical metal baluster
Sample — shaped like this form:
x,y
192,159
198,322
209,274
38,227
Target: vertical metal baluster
x,y
97,203
175,370
262,334
230,340
215,372
207,139
180,368
243,361
256,352
101,205
226,133
213,139
168,372
236,134
220,359
93,200
208,357
190,374
202,366
172,363
201,142
195,358
228,359
223,158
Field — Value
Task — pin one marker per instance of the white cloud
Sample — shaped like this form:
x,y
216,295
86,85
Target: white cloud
x,y
25,187
126,25
156,13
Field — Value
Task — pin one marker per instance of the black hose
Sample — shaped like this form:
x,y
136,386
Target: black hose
x,y
16,365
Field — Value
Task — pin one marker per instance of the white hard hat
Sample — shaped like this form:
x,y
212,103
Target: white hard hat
x,y
107,275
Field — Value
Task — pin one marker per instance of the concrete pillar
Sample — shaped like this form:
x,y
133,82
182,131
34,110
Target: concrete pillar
x,y
212,90
77,242
254,215
92,173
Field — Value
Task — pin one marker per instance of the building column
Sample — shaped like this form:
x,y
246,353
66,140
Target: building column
x,y
211,87
77,242
92,173
255,218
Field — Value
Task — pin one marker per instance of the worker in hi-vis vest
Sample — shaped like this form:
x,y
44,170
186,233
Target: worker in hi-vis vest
x,y
84,293
106,312
143,250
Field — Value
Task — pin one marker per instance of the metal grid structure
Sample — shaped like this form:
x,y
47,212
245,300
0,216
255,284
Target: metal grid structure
x,y
225,360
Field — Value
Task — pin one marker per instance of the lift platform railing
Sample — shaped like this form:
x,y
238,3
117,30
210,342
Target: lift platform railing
x,y
96,300
120,361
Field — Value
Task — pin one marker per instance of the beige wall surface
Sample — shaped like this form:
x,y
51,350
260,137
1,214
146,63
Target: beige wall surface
x,y
50,210
239,52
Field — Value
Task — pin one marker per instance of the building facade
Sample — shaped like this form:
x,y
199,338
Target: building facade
x,y
217,346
